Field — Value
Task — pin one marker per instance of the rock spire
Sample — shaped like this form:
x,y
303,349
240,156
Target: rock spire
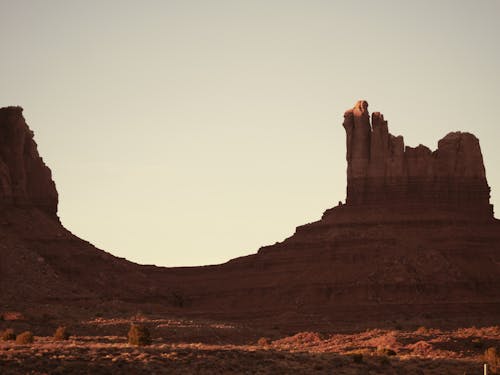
x,y
381,171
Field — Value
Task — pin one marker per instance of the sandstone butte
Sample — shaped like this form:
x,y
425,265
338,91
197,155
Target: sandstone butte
x,y
415,238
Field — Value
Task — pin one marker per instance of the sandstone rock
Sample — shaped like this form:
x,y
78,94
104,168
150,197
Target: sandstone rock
x,y
25,180
381,171
416,237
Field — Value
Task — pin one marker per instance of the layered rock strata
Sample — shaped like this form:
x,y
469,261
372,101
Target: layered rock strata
x,y
381,171
416,238
25,180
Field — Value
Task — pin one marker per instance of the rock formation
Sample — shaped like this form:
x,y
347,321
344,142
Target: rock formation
x,y
25,180
39,259
415,238
382,172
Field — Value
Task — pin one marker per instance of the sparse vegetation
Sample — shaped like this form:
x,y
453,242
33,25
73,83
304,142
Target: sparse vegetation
x,y
25,338
139,335
422,330
200,346
357,357
263,341
8,335
492,358
61,334
13,316
384,361
385,351
477,344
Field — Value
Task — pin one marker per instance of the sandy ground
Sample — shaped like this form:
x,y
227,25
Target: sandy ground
x,y
99,346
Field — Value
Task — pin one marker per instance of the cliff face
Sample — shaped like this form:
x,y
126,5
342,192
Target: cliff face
x,y
25,180
416,237
381,171
39,259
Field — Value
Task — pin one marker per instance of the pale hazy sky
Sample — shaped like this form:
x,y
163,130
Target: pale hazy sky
x,y
192,132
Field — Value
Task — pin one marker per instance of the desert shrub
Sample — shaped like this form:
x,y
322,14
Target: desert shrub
x,y
178,299
384,361
385,351
492,358
25,338
301,339
422,330
477,344
8,335
13,315
263,341
61,334
357,357
138,317
139,335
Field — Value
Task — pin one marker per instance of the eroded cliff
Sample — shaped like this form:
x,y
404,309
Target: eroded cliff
x,y
25,180
382,171
416,238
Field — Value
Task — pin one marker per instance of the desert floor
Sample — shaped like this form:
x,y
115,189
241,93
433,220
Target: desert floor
x,y
183,346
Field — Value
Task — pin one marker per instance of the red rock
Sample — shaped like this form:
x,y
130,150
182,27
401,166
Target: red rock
x,y
381,171
416,237
25,180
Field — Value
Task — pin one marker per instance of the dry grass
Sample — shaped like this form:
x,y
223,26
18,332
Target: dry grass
x,y
8,335
191,347
139,335
25,338
61,334
492,358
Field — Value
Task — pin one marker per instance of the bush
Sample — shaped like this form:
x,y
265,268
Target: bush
x,y
386,351
492,358
384,361
25,338
61,334
477,344
8,335
422,330
357,357
263,341
139,335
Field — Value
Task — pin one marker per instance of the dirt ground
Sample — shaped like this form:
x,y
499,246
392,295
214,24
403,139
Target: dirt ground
x,y
185,346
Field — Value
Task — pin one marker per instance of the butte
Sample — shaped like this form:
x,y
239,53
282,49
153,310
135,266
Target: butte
x,y
415,239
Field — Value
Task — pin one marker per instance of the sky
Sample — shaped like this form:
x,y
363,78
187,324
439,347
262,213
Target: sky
x,y
192,132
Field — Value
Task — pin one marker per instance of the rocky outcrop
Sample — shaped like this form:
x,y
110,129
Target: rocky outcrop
x,y
25,180
416,238
39,259
381,171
